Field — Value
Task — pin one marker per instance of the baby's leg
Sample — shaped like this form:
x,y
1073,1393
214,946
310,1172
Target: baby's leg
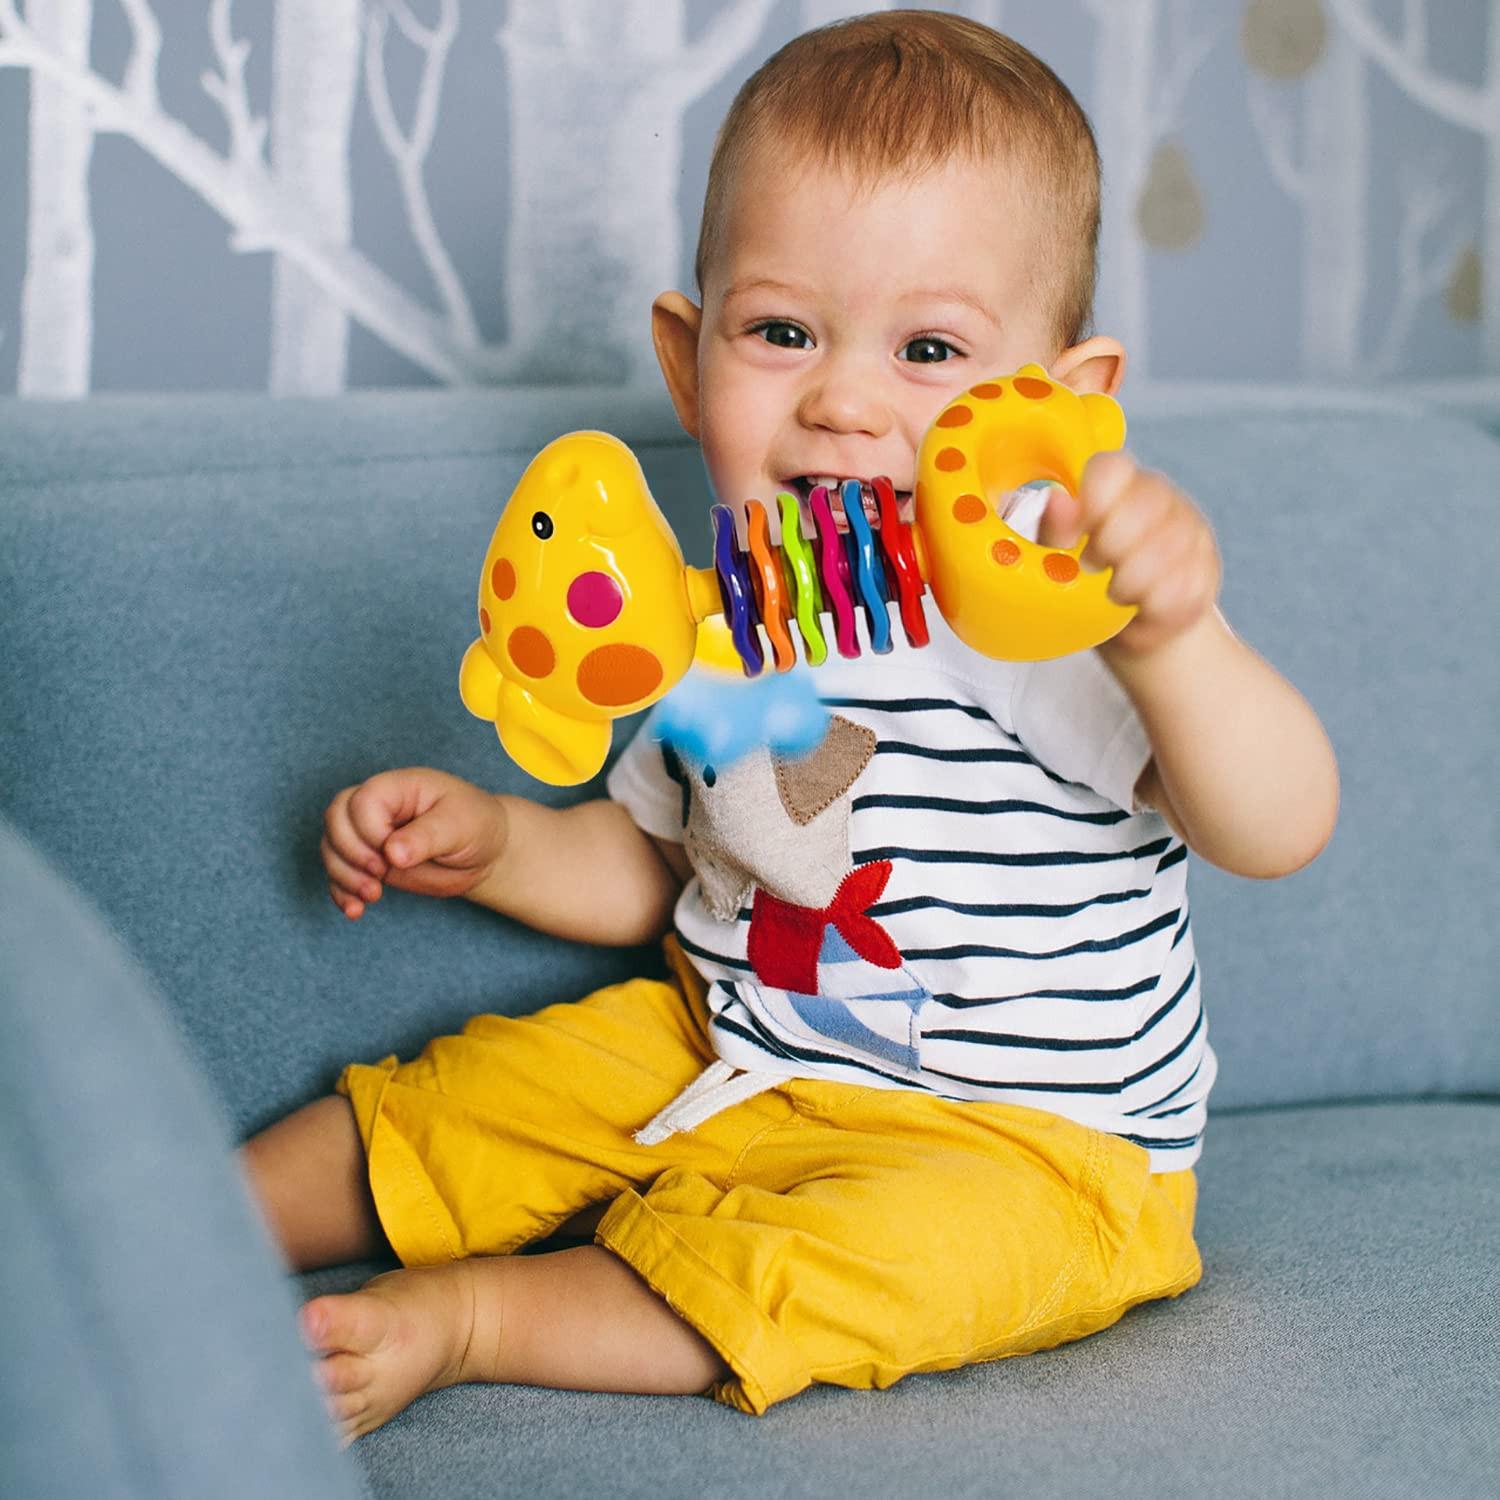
x,y
576,1319
308,1171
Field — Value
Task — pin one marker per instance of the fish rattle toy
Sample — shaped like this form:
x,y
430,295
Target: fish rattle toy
x,y
587,611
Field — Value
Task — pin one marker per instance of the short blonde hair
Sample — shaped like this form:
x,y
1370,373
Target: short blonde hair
x,y
904,90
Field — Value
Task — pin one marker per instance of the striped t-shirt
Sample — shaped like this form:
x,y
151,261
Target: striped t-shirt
x,y
958,898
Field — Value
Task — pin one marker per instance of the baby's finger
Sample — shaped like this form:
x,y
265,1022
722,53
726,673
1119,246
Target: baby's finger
x,y
351,907
342,876
1061,520
1158,560
357,841
1133,517
1106,478
437,834
346,876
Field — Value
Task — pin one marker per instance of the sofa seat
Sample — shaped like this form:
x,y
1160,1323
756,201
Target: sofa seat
x,y
1343,1341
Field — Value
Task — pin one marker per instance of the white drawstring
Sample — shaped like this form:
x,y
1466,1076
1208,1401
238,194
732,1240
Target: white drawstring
x,y
714,1089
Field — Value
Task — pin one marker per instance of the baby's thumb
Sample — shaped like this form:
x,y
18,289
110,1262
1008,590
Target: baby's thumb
x,y
430,836
1060,521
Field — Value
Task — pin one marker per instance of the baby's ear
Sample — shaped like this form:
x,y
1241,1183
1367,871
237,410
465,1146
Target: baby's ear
x,y
675,322
1096,365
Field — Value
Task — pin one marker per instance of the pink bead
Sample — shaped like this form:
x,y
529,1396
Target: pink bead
x,y
594,599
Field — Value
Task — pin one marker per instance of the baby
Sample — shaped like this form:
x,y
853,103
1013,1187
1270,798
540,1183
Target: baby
x,y
929,1079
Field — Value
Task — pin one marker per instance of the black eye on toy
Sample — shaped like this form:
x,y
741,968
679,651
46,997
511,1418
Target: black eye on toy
x,y
541,523
709,776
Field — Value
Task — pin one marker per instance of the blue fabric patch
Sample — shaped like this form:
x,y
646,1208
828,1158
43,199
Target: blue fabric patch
x,y
832,1018
835,949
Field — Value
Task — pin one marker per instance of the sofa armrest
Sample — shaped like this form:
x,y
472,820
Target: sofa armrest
x,y
149,1337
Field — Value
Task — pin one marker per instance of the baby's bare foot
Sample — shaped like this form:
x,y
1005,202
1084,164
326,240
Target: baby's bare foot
x,y
401,1335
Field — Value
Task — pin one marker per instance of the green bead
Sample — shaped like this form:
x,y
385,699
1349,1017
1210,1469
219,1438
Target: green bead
x,y
806,586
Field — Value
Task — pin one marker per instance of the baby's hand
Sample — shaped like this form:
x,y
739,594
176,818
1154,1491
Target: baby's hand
x,y
1158,542
416,829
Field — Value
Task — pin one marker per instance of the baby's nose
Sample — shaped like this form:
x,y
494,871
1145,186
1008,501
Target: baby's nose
x,y
840,401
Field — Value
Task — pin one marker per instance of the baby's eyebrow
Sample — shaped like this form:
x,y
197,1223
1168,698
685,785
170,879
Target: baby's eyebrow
x,y
959,294
764,284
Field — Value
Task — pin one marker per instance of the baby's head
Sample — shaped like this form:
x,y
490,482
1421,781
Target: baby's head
x,y
897,206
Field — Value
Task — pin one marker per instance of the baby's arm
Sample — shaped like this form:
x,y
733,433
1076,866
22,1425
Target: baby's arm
x,y
1241,767
586,872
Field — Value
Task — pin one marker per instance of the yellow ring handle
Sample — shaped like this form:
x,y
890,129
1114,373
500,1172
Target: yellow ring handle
x,y
1004,595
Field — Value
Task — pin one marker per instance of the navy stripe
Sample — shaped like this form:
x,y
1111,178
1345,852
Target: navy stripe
x,y
1095,945
1055,1044
1155,1104
1171,1005
928,752
966,1002
988,908
1005,805
1181,1141
1182,931
989,857
995,909
910,706
1171,1056
1172,857
723,959
1109,1086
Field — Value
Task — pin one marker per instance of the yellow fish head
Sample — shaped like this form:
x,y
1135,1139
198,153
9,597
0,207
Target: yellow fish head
x,y
583,608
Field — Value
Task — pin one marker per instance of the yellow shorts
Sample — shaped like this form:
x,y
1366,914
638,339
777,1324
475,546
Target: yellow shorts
x,y
817,1232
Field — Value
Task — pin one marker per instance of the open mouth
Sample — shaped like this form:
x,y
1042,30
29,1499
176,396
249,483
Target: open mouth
x,y
802,485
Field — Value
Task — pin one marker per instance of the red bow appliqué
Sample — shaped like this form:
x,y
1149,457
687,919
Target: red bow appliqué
x,y
785,940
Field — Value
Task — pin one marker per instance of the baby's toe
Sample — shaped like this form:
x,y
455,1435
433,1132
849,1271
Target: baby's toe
x,y
343,1374
356,1323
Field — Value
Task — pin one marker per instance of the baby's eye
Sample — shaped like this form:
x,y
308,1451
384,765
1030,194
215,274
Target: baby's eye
x,y
784,335
928,351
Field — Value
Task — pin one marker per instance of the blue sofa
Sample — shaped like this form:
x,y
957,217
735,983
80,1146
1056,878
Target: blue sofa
x,y
216,611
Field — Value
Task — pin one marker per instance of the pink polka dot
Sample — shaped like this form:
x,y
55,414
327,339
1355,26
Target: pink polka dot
x,y
594,599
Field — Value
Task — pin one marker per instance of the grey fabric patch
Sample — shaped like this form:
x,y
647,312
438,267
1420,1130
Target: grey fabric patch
x,y
780,824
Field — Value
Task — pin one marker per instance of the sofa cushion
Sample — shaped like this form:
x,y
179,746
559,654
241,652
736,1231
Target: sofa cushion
x,y
218,611
1341,1344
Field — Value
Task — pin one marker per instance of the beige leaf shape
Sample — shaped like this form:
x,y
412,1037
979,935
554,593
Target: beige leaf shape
x,y
1170,211
1283,38
1464,294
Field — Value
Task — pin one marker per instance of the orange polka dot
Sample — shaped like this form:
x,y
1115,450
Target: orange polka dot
x,y
989,391
1032,388
484,621
956,416
617,674
1006,553
531,651
949,460
503,579
969,508
1059,567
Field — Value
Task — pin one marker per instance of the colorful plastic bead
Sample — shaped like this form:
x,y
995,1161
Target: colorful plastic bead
x,y
834,572
803,568
770,587
737,591
901,556
866,567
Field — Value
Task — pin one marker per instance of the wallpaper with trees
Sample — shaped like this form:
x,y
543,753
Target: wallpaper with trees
x,y
304,196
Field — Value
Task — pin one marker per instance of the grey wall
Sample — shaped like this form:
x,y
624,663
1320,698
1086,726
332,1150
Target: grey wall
x,y
567,163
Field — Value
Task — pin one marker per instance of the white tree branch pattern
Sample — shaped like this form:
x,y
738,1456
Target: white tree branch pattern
x,y
595,97
1467,106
